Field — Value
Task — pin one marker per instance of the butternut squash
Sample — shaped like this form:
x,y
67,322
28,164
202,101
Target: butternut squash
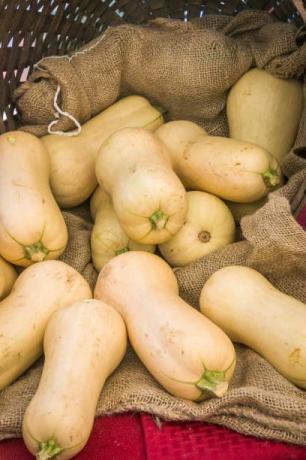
x,y
8,276
149,200
39,290
252,311
83,344
185,352
32,227
73,158
177,135
209,226
108,239
266,111
230,169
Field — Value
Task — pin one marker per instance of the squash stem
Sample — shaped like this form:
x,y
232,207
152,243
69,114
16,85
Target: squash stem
x,y
158,220
160,108
214,382
36,252
121,251
271,177
48,450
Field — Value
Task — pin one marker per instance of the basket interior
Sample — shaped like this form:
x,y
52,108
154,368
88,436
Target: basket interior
x,y
32,29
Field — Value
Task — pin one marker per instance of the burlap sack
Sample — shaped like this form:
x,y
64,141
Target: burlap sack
x,y
260,401
183,66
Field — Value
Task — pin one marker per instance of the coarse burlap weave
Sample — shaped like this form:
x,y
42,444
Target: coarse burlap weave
x,y
187,68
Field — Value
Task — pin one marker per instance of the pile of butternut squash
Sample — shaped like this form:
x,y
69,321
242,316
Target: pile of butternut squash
x,y
153,186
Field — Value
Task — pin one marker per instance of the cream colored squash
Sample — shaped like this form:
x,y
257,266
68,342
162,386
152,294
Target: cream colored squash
x,y
8,276
39,290
149,200
209,226
185,352
108,239
252,311
32,227
265,110
230,169
177,136
83,344
73,158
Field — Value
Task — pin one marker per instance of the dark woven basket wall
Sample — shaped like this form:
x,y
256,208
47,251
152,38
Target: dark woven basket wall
x,y
32,29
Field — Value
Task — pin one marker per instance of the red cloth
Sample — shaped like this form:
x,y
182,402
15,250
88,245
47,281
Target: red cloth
x,y
302,218
138,437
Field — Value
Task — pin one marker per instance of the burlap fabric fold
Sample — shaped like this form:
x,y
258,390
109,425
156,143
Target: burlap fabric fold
x,y
186,67
260,401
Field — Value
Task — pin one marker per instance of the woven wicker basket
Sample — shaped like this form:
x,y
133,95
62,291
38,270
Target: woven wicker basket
x,y
32,29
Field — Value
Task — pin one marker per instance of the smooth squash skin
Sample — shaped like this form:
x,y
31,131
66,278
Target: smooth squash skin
x,y
266,111
83,344
32,227
230,169
8,276
108,239
149,200
73,158
252,311
177,135
209,226
186,353
39,290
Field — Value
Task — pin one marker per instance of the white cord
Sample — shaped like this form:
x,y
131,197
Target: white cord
x,y
59,111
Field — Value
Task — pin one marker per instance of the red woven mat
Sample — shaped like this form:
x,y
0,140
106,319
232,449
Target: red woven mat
x,y
138,437
302,218
119,437
201,441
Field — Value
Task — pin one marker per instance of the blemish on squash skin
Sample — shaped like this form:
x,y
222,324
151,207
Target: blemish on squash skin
x,y
295,356
11,139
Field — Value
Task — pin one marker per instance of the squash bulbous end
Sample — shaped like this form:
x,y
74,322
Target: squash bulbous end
x,y
48,450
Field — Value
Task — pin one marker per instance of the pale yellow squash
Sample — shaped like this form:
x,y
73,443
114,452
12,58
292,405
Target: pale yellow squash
x,y
108,239
252,311
185,352
39,290
209,226
265,110
177,136
32,227
83,344
8,276
230,169
73,158
149,200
